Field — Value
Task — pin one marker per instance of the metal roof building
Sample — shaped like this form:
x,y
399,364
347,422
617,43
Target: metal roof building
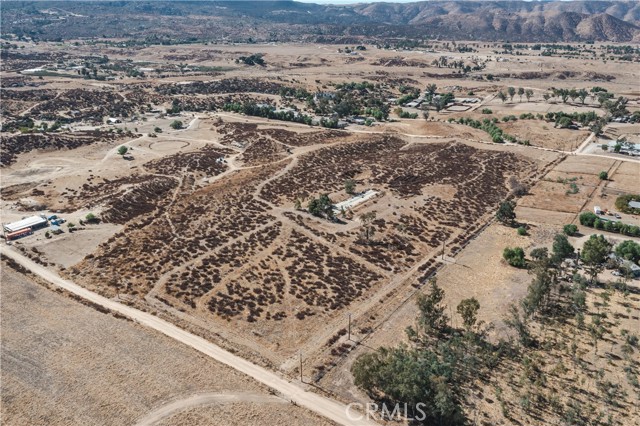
x,y
33,222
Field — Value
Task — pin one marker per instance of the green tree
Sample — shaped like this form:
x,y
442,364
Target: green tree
x,y
157,130
522,231
520,92
603,175
92,218
564,122
176,124
570,229
594,254
528,94
432,320
629,250
506,212
350,186
582,95
573,94
617,108
539,253
598,126
511,91
468,310
412,377
321,207
122,150
502,96
519,324
562,249
588,218
563,94
514,256
539,291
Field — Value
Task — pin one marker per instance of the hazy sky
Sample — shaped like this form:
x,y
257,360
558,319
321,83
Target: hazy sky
x,y
371,1
356,1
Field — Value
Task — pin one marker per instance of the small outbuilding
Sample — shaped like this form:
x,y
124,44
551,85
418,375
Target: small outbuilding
x,y
634,204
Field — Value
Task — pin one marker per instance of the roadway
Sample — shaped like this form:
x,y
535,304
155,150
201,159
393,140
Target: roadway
x,y
289,390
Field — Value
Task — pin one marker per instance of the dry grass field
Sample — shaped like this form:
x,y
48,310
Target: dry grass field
x,y
67,363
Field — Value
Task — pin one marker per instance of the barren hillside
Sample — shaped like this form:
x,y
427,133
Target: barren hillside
x,y
287,20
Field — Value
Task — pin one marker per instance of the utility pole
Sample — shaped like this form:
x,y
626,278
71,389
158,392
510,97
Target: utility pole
x,y
301,366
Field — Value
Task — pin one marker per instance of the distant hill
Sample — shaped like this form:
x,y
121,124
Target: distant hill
x,y
516,21
556,21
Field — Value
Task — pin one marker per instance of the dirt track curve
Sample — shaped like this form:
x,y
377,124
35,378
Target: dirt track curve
x,y
171,408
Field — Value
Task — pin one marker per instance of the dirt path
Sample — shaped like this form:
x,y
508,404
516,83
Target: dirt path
x,y
585,143
291,391
197,400
28,110
162,280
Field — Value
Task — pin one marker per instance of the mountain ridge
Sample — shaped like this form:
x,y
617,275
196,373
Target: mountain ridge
x,y
490,20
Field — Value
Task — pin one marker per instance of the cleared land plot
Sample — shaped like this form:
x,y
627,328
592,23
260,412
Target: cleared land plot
x,y
626,178
68,248
584,165
544,134
67,363
236,253
556,196
536,215
573,186
569,188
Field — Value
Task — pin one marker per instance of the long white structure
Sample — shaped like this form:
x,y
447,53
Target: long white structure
x,y
354,201
33,222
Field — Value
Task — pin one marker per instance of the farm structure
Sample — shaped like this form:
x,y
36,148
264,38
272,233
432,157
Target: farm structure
x,y
354,201
32,222
631,267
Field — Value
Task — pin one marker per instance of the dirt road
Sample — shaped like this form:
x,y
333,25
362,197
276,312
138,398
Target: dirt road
x,y
167,410
291,391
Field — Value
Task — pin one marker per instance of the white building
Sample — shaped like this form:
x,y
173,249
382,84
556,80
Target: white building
x,y
33,222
